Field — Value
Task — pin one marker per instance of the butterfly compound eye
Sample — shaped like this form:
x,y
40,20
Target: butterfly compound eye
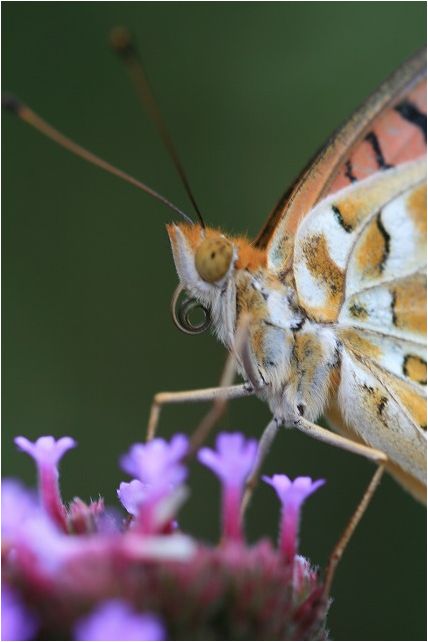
x,y
212,258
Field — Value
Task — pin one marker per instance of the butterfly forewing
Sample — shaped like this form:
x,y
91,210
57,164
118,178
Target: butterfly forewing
x,y
389,128
396,136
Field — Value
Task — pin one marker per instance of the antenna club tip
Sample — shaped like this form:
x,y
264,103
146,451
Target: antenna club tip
x,y
121,41
12,103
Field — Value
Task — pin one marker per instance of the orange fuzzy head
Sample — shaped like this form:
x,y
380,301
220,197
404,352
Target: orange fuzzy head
x,y
206,258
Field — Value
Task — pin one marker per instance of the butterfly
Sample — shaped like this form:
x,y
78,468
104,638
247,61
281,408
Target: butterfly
x,y
334,285
324,312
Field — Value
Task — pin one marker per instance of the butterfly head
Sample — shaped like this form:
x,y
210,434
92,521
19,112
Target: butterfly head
x,y
204,259
208,264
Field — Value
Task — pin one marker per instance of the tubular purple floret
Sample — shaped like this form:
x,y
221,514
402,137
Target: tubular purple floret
x,y
292,495
232,461
158,488
47,452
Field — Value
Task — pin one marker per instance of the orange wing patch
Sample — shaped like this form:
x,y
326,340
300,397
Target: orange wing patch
x,y
417,208
325,270
409,397
415,368
372,250
359,342
408,305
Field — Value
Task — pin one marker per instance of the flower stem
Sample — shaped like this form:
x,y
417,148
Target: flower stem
x,y
50,495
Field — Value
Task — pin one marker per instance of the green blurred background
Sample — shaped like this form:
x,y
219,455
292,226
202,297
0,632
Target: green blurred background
x,y
249,91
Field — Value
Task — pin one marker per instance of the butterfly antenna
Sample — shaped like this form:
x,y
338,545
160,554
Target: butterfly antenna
x,y
13,104
123,44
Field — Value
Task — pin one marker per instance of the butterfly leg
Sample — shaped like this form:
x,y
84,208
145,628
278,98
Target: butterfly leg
x,y
343,541
219,395
222,394
333,439
265,443
370,453
241,354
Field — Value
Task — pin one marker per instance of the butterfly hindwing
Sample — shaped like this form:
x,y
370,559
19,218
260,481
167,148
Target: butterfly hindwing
x,y
402,359
349,242
397,309
384,412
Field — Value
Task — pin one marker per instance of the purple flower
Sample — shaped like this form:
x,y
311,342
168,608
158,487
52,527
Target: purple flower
x,y
292,494
233,458
116,620
17,622
18,503
232,461
132,495
151,497
28,531
154,511
47,452
101,578
157,463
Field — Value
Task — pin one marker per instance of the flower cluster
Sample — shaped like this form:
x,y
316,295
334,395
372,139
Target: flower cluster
x,y
78,572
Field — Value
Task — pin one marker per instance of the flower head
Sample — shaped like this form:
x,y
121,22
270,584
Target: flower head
x,y
151,498
153,512
116,620
106,578
233,458
232,461
132,495
157,462
47,452
292,494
